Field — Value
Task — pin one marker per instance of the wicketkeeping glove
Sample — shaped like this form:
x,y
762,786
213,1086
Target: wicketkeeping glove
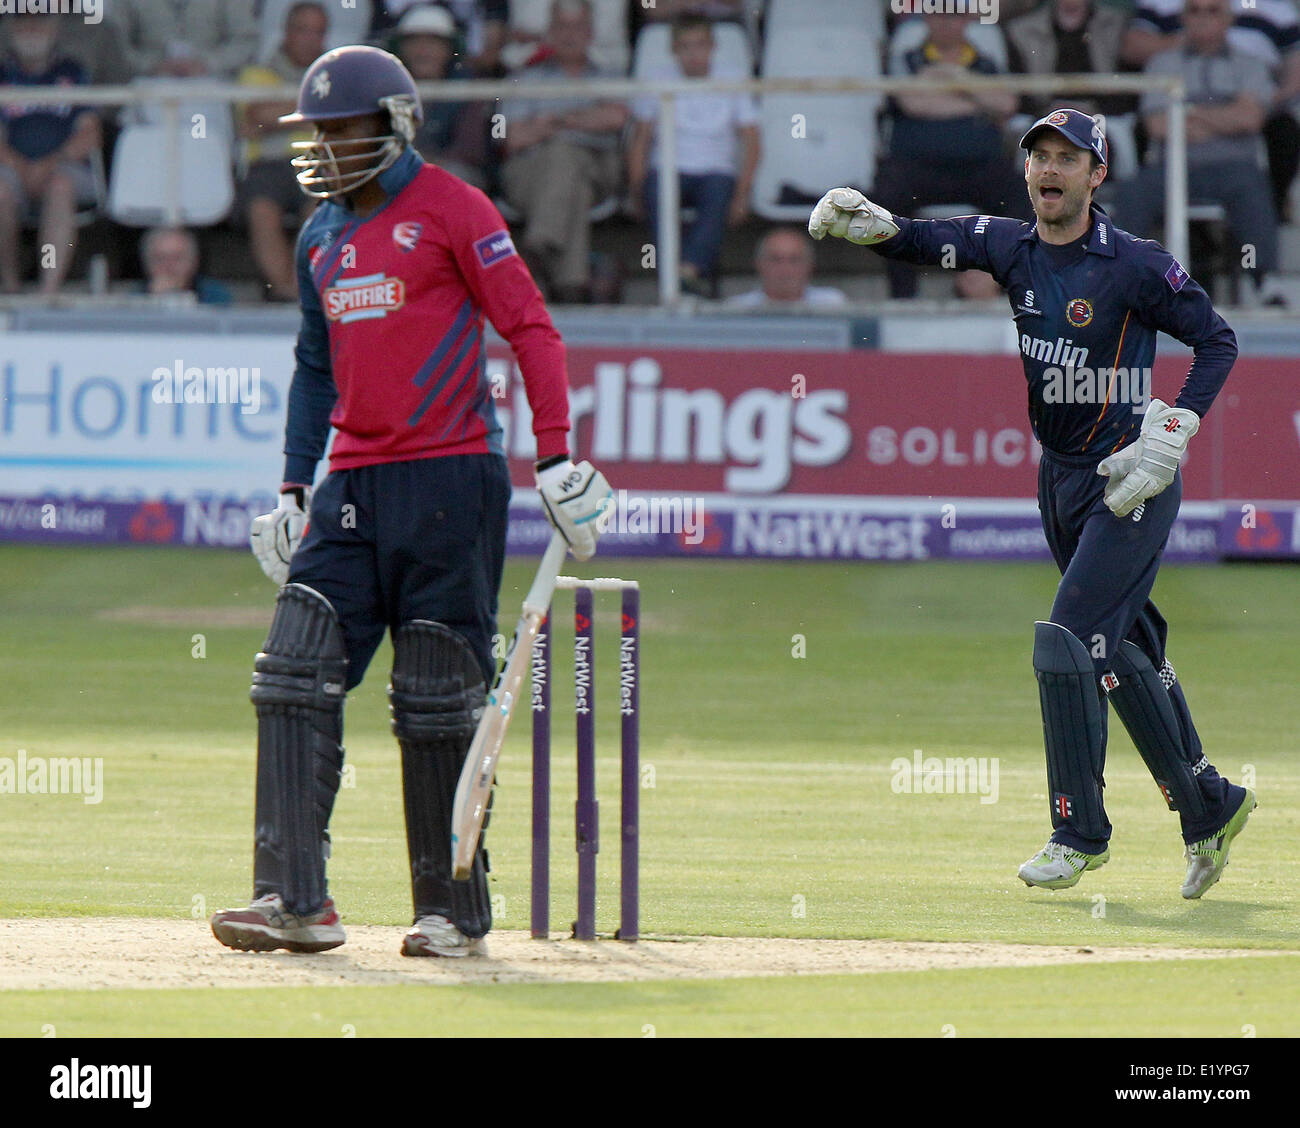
x,y
1142,470
578,501
847,214
275,536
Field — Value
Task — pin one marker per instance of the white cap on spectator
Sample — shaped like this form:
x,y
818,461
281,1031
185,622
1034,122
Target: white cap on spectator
x,y
427,19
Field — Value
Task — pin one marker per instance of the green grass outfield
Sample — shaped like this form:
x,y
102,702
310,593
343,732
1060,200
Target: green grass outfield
x,y
776,697
1121,1000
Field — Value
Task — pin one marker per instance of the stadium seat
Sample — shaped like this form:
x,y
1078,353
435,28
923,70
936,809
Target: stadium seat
x,y
215,115
839,133
653,56
791,15
137,195
1213,245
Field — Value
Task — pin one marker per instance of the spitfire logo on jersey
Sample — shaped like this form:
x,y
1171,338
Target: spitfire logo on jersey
x,y
357,299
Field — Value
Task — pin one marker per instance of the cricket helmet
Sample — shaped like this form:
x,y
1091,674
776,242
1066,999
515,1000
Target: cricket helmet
x,y
350,82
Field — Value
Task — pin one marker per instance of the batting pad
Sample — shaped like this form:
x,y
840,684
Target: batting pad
x,y
437,696
1072,732
1140,695
299,681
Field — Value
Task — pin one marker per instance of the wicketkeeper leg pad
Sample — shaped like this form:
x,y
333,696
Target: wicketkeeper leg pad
x,y
437,696
1143,704
1074,735
298,691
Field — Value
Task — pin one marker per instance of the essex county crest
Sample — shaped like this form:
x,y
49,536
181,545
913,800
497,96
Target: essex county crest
x,y
1079,312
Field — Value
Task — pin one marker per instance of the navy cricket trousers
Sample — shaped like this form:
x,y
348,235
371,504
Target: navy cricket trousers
x,y
396,541
1108,564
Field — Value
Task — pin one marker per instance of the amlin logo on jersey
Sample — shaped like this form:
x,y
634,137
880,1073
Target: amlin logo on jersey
x,y
375,295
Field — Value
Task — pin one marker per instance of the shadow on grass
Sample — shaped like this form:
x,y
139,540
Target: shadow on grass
x,y
1197,922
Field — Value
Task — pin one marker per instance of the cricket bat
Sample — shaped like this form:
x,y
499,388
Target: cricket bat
x,y
475,785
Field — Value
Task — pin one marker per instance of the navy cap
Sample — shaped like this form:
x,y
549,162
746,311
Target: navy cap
x,y
1078,128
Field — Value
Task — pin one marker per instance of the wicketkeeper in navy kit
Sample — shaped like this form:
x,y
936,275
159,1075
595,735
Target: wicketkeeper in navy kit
x,y
397,268
1086,295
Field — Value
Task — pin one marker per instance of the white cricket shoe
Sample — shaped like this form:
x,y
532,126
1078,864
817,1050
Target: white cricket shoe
x,y
437,936
1206,859
266,925
1056,866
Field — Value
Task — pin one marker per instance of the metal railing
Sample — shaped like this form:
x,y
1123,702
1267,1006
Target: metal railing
x,y
173,97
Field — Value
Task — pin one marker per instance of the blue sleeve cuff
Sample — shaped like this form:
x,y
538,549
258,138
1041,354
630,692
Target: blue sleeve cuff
x,y
299,468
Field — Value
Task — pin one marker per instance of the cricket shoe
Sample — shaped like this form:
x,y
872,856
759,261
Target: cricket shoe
x,y
1056,866
1206,858
267,925
437,936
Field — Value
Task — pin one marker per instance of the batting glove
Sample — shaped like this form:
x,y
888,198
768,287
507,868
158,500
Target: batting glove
x,y
1148,466
847,214
275,536
578,502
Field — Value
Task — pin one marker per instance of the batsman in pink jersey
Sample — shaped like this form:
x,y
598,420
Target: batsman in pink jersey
x,y
398,269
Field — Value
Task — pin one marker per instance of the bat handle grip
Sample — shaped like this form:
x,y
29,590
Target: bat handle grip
x,y
539,595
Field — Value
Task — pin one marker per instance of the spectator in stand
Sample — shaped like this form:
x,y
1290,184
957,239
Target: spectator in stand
x,y
610,48
561,157
784,261
45,154
269,196
946,146
1069,37
743,12
1267,29
1228,93
98,47
484,27
196,39
452,134
170,257
348,23
1006,9
666,11
717,153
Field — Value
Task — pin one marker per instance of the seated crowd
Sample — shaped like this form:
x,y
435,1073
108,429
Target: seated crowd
x,y
558,165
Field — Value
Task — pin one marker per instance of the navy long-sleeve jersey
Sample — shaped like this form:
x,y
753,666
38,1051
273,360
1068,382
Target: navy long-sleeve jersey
x,y
1086,318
